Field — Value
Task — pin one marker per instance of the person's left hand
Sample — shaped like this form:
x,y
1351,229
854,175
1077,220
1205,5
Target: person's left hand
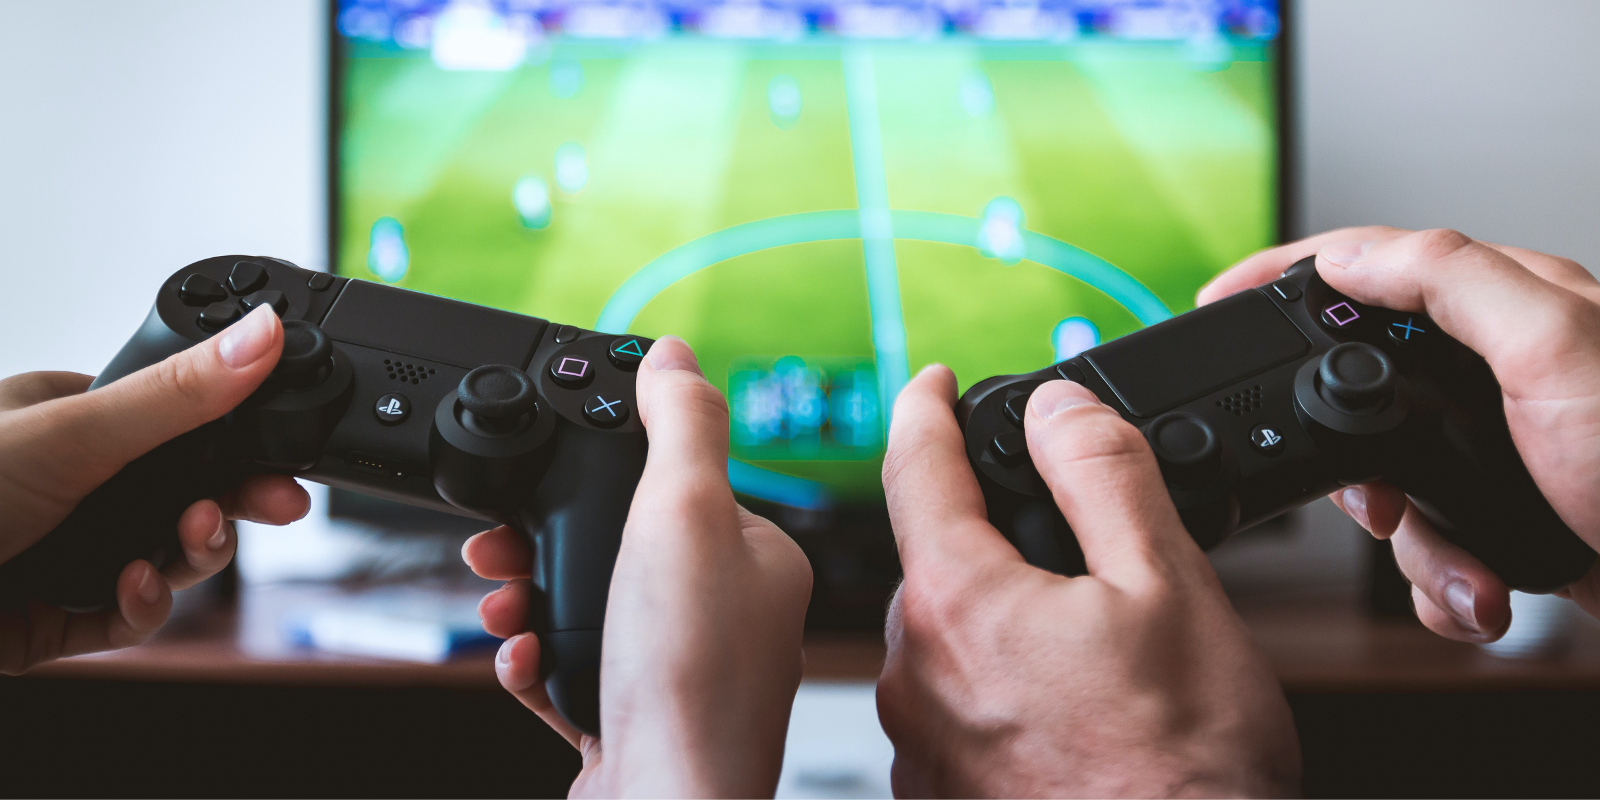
x,y
58,442
701,655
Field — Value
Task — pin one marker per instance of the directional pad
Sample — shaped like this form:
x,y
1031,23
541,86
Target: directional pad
x,y
267,297
1009,448
198,290
247,276
219,315
1015,407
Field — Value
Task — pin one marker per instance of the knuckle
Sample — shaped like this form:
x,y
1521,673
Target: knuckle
x,y
896,460
1438,243
699,397
1099,434
928,608
180,379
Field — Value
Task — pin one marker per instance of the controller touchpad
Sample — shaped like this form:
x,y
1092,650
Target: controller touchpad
x,y
1171,363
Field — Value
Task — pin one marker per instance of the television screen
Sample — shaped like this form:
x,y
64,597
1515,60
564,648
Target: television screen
x,y
821,196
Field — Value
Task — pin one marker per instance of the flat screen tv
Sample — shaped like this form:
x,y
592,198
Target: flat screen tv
x,y
820,196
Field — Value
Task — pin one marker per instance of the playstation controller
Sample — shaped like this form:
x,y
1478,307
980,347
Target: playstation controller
x,y
395,394
1278,395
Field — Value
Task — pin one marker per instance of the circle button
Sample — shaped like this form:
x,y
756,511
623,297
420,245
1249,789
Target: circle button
x,y
1267,439
627,351
392,409
605,412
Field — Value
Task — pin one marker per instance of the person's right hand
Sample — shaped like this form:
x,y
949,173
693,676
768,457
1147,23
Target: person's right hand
x,y
1004,680
701,656
1536,319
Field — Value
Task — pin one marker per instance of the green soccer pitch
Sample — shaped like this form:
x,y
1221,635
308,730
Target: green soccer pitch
x,y
821,199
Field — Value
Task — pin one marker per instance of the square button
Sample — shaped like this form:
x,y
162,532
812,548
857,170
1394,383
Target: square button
x,y
571,371
1339,315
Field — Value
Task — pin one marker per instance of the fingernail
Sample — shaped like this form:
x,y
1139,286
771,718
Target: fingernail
x,y
1462,600
670,352
246,341
148,591
219,538
1343,254
502,666
1057,396
1355,504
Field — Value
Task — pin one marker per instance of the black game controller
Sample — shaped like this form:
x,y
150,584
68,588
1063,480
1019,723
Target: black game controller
x,y
399,395
1273,397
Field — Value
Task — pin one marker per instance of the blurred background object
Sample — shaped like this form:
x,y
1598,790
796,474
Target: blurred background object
x,y
143,136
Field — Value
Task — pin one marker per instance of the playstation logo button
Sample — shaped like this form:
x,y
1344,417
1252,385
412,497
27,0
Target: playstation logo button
x,y
1267,439
605,412
571,371
392,409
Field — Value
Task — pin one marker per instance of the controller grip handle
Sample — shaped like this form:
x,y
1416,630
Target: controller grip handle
x,y
132,516
1506,524
576,529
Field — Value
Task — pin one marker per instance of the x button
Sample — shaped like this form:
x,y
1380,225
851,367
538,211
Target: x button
x,y
1407,331
605,412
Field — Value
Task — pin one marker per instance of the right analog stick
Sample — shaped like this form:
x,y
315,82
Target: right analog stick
x,y
1356,377
1186,447
496,399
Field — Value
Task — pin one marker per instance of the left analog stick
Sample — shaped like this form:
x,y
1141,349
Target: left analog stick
x,y
307,353
1186,448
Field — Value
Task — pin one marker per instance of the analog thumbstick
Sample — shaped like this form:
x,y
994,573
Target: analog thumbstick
x,y
1356,377
1187,449
496,399
307,355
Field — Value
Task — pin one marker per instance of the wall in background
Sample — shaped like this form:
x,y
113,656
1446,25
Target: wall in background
x,y
1479,115
141,136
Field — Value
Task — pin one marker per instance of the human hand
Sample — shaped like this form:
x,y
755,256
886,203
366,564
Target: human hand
x,y
701,656
1536,319
59,442
1003,679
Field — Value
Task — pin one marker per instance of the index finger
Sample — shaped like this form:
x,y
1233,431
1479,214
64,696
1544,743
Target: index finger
x,y
935,505
1268,264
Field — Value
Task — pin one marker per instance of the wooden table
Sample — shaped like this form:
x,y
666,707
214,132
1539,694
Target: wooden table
x,y
1330,645
1384,707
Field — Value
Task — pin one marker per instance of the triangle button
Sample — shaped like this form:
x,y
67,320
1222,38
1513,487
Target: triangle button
x,y
628,351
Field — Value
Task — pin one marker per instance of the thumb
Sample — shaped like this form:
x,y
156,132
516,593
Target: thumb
x,y
1521,323
87,438
1104,477
686,419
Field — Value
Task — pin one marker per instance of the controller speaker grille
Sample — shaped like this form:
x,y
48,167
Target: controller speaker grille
x,y
1242,402
407,373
